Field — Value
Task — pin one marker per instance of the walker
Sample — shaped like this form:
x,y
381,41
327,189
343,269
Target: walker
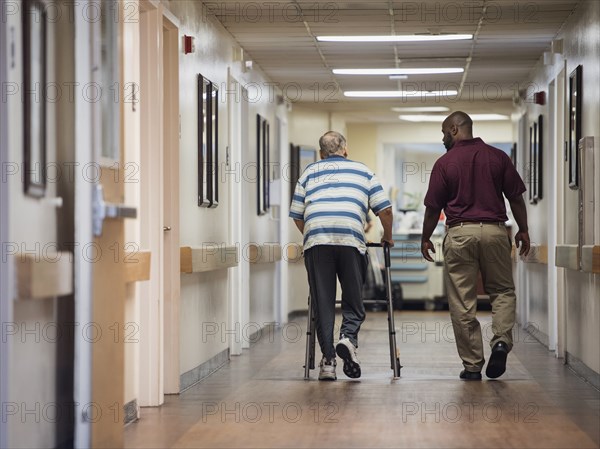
x,y
309,359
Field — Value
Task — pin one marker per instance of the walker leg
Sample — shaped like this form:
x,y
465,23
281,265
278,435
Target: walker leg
x,y
394,358
309,358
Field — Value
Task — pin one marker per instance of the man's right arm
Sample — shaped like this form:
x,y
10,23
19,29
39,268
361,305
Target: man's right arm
x,y
517,205
387,218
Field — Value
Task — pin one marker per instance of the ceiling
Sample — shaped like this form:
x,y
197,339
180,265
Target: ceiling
x,y
510,37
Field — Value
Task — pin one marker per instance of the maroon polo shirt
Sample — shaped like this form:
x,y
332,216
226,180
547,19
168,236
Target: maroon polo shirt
x,y
468,182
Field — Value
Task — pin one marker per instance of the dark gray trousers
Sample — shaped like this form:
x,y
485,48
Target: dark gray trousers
x,y
323,263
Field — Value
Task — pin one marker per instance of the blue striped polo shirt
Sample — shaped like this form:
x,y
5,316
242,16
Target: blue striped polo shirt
x,y
333,197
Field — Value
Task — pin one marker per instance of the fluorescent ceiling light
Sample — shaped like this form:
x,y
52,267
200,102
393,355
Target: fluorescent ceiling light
x,y
397,71
422,109
398,93
398,77
404,38
440,118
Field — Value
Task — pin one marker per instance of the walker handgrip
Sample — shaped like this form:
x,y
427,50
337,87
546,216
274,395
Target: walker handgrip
x,y
386,254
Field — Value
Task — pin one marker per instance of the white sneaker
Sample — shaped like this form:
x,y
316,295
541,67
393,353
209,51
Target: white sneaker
x,y
327,369
347,351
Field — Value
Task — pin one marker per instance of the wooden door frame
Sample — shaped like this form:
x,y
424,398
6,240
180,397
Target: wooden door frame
x,y
521,271
83,267
237,292
151,292
561,125
159,159
171,258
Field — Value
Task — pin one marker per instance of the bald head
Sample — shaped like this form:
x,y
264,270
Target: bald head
x,y
456,127
460,119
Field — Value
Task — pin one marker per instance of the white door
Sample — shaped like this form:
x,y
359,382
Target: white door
x,y
239,277
99,225
171,261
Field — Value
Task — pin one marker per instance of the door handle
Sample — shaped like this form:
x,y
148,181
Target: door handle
x,y
166,228
103,210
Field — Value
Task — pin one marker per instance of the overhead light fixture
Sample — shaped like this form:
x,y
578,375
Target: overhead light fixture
x,y
397,38
422,109
421,71
398,93
440,118
398,77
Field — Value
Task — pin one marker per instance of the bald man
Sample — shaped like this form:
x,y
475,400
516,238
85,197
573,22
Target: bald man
x,y
469,183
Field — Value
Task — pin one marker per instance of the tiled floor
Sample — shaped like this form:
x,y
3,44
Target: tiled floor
x,y
260,399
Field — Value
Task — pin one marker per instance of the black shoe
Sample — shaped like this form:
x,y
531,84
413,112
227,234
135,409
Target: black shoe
x,y
470,375
497,364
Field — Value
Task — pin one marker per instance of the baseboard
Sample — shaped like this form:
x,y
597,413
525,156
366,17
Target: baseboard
x,y
266,330
131,412
296,314
538,335
193,376
583,370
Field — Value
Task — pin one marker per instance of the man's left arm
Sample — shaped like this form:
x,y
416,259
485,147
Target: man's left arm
x,y
430,222
435,201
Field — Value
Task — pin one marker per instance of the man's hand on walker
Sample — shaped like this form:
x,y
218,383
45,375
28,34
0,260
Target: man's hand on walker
x,y
388,242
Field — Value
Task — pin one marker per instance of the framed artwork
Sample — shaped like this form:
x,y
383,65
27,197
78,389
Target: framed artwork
x,y
213,153
267,164
538,152
575,91
532,168
262,165
208,143
301,156
34,107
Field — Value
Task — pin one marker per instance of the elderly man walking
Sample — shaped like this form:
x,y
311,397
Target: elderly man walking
x,y
329,207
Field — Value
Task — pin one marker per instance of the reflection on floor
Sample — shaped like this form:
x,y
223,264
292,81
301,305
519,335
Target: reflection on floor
x,y
261,400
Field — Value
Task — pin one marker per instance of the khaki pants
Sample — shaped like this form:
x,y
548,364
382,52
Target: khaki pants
x,y
469,248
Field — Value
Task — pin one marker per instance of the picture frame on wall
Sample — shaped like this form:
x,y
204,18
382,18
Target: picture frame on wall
x,y
208,143
532,167
538,152
536,131
575,93
262,165
301,156
213,154
267,164
34,106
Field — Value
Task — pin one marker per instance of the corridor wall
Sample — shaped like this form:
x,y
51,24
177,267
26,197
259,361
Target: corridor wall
x,y
581,46
203,304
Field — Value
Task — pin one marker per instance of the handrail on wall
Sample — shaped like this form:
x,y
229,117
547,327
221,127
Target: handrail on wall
x,y
43,276
208,258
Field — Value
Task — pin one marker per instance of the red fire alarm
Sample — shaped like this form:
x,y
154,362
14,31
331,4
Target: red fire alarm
x,y
188,44
539,98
